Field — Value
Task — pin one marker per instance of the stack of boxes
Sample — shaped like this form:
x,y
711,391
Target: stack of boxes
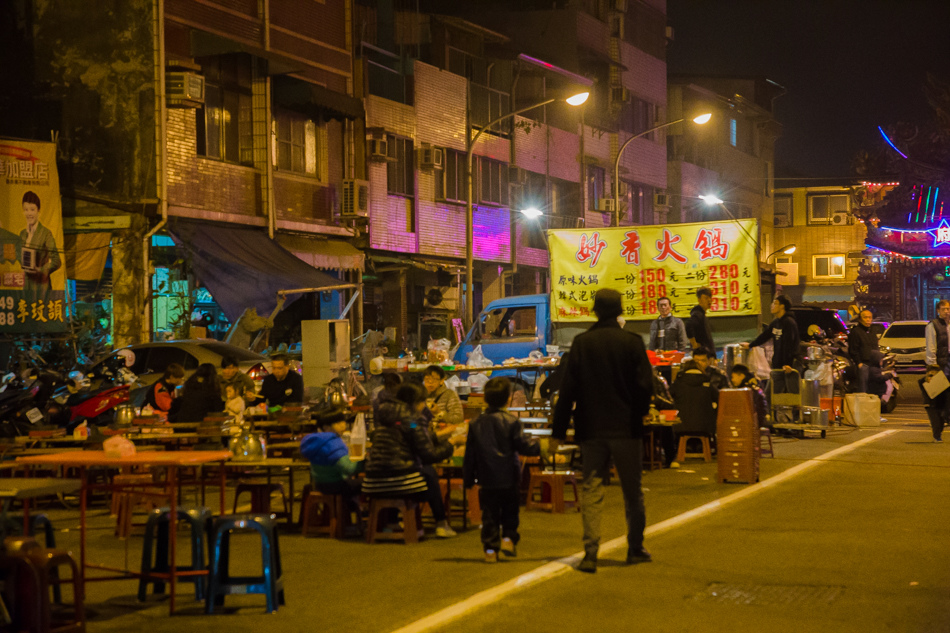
x,y
737,437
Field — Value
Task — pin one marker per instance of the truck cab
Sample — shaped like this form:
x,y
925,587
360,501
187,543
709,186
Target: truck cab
x,y
511,327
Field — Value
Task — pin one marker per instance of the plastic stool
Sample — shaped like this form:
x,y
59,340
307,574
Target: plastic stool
x,y
32,569
323,514
260,497
765,433
158,520
681,454
554,482
411,513
221,583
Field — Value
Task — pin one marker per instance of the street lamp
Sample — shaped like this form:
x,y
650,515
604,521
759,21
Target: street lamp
x,y
712,200
532,212
574,100
699,120
787,250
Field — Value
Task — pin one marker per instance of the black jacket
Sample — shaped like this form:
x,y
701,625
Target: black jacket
x,y
281,392
495,440
400,444
696,401
697,327
608,383
785,341
194,405
863,346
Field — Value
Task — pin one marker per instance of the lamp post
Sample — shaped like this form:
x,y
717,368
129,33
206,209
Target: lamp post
x,y
699,120
787,250
574,100
716,201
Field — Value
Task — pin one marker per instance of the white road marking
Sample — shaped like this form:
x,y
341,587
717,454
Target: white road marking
x,y
561,566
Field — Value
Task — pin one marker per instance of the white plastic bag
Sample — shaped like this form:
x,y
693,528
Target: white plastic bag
x,y
453,383
118,446
358,437
477,381
477,359
758,363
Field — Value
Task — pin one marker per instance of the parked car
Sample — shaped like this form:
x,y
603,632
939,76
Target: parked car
x,y
828,320
906,341
879,327
151,359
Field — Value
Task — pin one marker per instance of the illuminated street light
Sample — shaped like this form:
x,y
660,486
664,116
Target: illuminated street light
x,y
787,250
714,201
532,212
574,100
698,120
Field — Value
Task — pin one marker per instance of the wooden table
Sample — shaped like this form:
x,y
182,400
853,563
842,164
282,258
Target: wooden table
x,y
170,461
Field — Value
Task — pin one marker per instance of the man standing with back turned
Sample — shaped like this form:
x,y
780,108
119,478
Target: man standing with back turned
x,y
608,384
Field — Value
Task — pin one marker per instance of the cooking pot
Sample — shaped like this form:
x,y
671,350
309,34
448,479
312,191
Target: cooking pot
x,y
124,413
248,445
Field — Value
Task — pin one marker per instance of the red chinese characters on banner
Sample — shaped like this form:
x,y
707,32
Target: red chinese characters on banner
x,y
590,248
709,244
630,247
665,246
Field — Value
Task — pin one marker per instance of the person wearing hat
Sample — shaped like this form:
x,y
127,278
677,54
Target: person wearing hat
x,y
331,470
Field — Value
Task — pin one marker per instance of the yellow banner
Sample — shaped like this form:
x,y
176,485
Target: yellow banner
x,y
32,278
645,263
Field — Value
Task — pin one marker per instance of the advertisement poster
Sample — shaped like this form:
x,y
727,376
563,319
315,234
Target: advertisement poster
x,y
645,263
32,275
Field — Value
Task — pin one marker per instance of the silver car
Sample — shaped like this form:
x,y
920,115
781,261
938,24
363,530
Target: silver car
x,y
151,359
906,341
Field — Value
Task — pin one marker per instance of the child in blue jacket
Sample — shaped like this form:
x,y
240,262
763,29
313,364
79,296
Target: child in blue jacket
x,y
331,470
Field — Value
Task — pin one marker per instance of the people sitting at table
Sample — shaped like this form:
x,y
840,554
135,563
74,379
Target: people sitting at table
x,y
387,391
282,385
398,463
707,364
743,378
696,400
331,470
495,440
234,402
231,374
663,400
161,395
200,396
442,403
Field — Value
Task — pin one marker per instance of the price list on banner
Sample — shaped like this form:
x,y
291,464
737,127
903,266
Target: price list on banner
x,y
647,263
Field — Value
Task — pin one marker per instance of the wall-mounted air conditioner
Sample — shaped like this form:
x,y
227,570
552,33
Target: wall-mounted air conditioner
x,y
377,149
786,274
184,89
430,157
606,205
840,218
661,199
355,199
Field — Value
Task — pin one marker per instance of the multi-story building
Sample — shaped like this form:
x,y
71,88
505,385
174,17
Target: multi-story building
x,y
433,77
225,125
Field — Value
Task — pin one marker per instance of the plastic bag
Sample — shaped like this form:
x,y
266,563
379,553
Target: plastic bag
x,y
453,383
439,344
477,358
758,363
477,381
535,354
118,446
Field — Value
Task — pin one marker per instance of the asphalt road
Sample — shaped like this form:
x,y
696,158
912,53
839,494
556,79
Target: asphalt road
x,y
851,543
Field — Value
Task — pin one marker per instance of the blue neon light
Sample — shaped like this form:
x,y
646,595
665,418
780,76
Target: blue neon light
x,y
890,142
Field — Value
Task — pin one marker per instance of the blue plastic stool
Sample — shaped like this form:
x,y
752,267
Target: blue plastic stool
x,y
221,583
198,519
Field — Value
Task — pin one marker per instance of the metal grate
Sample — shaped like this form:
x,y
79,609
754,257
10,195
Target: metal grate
x,y
770,594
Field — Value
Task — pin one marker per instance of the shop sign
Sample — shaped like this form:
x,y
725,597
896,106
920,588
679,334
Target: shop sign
x,y
645,263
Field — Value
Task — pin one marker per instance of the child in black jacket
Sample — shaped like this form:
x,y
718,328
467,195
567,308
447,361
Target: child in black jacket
x,y
495,439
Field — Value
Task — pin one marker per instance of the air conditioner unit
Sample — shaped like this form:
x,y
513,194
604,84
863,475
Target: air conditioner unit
x,y
441,298
786,274
377,149
840,218
184,89
517,175
661,199
355,199
430,157
619,94
606,205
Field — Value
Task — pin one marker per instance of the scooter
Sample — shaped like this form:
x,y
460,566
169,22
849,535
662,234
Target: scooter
x,y
92,398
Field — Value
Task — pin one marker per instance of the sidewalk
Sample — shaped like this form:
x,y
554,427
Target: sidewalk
x,y
811,530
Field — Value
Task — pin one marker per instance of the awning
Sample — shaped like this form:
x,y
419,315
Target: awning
x,y
243,268
86,255
327,254
841,296
314,100
204,44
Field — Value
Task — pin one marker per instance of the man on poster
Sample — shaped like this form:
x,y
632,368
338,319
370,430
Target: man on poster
x,y
38,254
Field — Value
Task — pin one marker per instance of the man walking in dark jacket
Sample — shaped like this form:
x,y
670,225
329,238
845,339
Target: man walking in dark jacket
x,y
495,439
783,332
864,349
608,384
697,327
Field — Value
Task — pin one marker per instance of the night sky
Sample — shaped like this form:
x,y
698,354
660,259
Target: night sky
x,y
848,66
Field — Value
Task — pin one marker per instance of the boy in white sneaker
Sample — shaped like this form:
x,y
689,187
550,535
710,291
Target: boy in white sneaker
x,y
495,439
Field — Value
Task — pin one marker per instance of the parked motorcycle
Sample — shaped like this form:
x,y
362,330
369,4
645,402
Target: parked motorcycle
x,y
92,397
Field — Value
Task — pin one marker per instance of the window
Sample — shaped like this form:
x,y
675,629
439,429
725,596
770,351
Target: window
x,y
509,323
783,211
733,132
638,203
595,186
400,173
492,182
822,209
638,116
828,266
223,124
296,145
450,180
